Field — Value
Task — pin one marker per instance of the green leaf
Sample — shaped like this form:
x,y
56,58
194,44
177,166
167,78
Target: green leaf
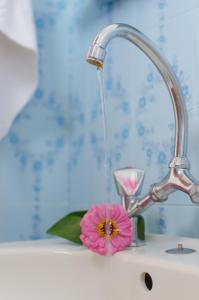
x,y
141,228
68,227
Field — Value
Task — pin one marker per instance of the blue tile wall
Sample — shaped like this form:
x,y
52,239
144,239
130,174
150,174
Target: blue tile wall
x,y
52,159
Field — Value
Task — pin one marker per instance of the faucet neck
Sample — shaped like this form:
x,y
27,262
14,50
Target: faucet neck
x,y
173,86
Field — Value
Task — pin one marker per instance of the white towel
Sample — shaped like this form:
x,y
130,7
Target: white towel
x,y
18,59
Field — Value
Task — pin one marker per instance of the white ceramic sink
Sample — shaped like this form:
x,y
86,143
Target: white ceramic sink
x,y
57,270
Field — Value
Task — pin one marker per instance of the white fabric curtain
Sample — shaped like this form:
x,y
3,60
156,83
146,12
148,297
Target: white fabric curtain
x,y
18,59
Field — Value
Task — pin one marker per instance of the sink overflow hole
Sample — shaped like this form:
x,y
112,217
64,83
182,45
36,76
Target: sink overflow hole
x,y
147,281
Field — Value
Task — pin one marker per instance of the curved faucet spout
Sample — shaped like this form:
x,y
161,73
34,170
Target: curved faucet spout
x,y
96,56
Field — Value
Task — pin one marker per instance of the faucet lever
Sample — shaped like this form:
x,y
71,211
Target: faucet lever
x,y
128,182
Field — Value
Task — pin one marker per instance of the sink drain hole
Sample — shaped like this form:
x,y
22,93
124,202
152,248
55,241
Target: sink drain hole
x,y
147,281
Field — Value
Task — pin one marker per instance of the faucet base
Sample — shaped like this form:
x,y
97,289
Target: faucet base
x,y
139,237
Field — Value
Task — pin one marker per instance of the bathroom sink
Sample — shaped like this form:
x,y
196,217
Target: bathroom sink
x,y
59,270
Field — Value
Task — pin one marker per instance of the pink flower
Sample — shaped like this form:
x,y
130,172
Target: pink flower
x,y
106,229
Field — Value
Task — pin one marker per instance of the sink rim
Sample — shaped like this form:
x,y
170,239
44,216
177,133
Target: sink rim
x,y
153,251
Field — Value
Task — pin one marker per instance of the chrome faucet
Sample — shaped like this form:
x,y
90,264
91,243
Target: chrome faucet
x,y
178,177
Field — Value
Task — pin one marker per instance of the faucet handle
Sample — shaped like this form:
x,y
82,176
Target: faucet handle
x,y
128,181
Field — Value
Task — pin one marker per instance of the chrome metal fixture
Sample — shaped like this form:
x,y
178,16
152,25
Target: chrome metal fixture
x,y
180,250
178,177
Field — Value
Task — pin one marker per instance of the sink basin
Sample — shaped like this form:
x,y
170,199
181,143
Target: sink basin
x,y
59,270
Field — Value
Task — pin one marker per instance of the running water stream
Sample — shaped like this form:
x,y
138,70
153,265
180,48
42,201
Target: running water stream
x,y
105,153
104,126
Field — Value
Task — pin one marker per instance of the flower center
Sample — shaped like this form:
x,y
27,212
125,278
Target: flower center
x,y
108,229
